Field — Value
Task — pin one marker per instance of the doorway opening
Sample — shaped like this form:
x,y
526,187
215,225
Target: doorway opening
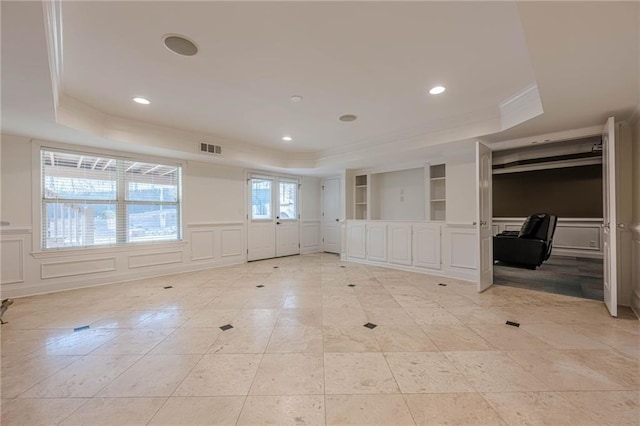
x,y
565,181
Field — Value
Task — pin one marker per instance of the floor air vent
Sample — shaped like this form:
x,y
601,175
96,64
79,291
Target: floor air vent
x,y
211,149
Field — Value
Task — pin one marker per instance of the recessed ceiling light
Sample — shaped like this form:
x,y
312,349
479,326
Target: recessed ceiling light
x,y
296,98
437,90
347,118
180,44
141,100
287,138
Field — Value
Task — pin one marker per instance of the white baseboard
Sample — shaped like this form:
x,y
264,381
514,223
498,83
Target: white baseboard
x,y
433,272
310,250
577,253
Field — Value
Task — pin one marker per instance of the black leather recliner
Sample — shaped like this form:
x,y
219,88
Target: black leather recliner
x,y
528,247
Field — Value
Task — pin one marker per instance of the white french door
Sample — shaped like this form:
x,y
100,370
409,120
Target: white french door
x,y
609,224
273,229
485,214
331,228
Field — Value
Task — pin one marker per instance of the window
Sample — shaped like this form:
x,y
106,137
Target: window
x,y
260,199
288,198
90,200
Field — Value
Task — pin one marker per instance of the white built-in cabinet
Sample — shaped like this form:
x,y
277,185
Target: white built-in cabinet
x,y
376,242
416,194
426,246
406,244
361,192
356,240
399,247
437,192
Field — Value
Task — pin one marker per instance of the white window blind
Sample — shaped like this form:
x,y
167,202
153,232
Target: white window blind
x,y
90,200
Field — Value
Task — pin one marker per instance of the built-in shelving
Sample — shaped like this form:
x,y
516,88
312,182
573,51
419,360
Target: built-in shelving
x,y
361,201
437,186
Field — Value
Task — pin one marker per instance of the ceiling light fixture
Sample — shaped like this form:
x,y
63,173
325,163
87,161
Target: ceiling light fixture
x,y
142,101
347,118
287,138
180,44
296,98
437,90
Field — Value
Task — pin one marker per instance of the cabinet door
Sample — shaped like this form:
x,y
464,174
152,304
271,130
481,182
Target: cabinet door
x,y
400,243
426,246
377,242
356,240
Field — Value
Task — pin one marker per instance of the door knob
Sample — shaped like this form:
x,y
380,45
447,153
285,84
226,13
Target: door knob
x,y
337,220
621,225
474,223
277,223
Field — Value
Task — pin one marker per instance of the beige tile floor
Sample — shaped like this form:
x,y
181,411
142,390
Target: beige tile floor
x,y
299,354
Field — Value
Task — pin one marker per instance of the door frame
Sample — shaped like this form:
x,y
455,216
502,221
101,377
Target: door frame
x,y
275,177
340,209
606,190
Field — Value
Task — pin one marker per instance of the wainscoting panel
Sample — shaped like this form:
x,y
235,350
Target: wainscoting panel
x,y
580,237
12,263
77,267
154,259
202,245
231,242
310,236
462,249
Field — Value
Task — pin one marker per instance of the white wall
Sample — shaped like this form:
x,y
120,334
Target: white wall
x,y
398,195
213,193
15,206
461,190
214,229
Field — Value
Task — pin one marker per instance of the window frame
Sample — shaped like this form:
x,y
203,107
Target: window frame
x,y
122,238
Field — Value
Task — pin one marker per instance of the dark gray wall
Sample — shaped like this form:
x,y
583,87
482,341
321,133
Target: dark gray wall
x,y
568,192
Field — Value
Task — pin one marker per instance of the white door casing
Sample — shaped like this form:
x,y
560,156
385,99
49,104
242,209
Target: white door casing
x,y
270,234
484,216
610,217
331,227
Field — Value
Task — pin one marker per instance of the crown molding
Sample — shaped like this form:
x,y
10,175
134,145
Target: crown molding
x,y
52,13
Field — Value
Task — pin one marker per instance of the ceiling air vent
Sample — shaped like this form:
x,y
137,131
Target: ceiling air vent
x,y
211,149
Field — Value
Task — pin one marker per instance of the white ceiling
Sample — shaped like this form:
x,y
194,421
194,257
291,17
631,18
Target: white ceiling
x,y
373,59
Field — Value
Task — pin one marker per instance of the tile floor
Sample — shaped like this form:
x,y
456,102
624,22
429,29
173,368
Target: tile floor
x,y
298,352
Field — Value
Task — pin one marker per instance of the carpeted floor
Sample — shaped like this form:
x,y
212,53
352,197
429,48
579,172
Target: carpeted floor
x,y
571,276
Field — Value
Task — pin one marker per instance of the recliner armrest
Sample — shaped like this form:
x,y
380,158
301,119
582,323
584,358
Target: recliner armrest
x,y
508,234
